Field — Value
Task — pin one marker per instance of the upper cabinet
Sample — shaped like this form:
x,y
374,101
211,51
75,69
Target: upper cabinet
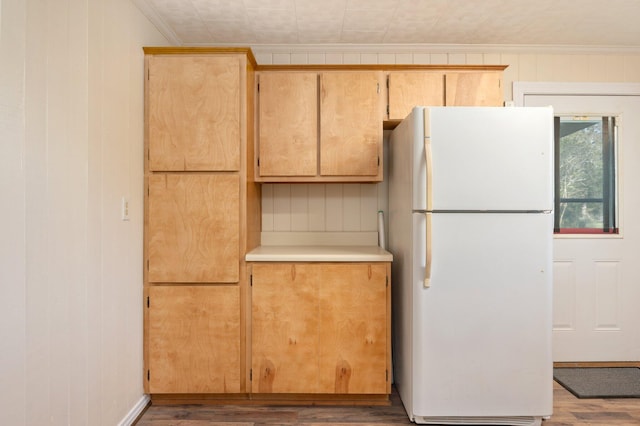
x,y
473,89
320,123
350,127
193,112
288,124
319,126
410,88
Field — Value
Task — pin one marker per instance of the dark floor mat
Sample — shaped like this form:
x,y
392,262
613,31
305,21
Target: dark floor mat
x,y
600,382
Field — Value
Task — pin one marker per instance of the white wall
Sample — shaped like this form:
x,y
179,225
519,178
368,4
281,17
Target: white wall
x,y
351,207
71,131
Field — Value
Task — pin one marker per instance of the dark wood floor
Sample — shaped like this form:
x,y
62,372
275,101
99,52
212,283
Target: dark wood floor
x,y
568,411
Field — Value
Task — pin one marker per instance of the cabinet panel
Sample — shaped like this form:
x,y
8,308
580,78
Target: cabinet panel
x,y
474,89
288,124
350,126
353,328
320,328
194,228
410,89
193,113
284,327
194,339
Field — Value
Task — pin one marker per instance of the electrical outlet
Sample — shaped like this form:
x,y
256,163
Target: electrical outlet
x,y
124,208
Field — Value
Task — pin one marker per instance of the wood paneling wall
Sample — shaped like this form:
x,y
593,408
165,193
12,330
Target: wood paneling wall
x,y
353,207
71,81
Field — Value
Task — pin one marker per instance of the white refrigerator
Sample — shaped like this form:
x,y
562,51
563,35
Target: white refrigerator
x,y
470,229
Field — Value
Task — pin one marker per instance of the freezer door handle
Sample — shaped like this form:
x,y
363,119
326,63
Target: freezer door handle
x,y
427,263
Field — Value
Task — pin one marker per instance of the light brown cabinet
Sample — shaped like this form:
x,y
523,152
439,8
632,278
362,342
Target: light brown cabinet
x,y
320,328
407,89
193,112
194,339
202,214
474,89
288,124
310,329
192,237
319,126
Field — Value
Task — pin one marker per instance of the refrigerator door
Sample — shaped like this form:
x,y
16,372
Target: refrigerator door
x,y
481,333
481,158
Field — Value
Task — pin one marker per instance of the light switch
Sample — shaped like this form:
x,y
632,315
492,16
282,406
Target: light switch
x,y
125,208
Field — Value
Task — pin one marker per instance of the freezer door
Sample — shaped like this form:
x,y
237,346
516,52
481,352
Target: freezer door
x,y
483,159
482,329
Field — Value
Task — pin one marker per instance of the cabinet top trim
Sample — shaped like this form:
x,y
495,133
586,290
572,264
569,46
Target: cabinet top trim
x,y
179,50
191,50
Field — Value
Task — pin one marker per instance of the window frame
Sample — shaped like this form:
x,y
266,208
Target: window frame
x,y
610,195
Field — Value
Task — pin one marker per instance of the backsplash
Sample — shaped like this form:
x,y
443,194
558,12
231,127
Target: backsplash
x,y
321,207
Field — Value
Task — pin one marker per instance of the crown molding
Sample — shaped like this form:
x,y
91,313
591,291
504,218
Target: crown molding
x,y
435,48
164,28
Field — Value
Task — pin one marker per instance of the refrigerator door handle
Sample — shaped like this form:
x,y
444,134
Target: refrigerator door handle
x,y
427,268
429,174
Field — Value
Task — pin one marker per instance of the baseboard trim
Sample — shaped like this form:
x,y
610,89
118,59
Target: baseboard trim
x,y
597,364
135,411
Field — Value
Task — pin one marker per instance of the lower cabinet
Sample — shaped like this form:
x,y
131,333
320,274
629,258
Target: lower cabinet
x,y
193,339
320,328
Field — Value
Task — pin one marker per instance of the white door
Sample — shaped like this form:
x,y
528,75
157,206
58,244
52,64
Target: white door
x,y
596,313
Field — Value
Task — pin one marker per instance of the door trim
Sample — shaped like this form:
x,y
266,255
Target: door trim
x,y
522,89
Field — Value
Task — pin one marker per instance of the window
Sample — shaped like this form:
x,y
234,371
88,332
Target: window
x,y
585,175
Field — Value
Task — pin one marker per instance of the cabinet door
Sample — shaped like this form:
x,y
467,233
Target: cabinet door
x,y
193,113
194,339
353,329
288,124
284,328
410,89
350,125
194,228
474,89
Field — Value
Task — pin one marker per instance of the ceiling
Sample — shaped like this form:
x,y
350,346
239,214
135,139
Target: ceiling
x,y
588,23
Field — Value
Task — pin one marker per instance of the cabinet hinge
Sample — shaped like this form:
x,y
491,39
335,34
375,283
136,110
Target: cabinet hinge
x,y
386,284
148,375
147,265
387,82
258,87
251,280
378,161
251,375
378,88
258,161
147,301
148,73
387,109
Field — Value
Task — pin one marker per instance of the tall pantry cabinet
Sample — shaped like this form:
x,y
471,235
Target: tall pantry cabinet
x,y
202,215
